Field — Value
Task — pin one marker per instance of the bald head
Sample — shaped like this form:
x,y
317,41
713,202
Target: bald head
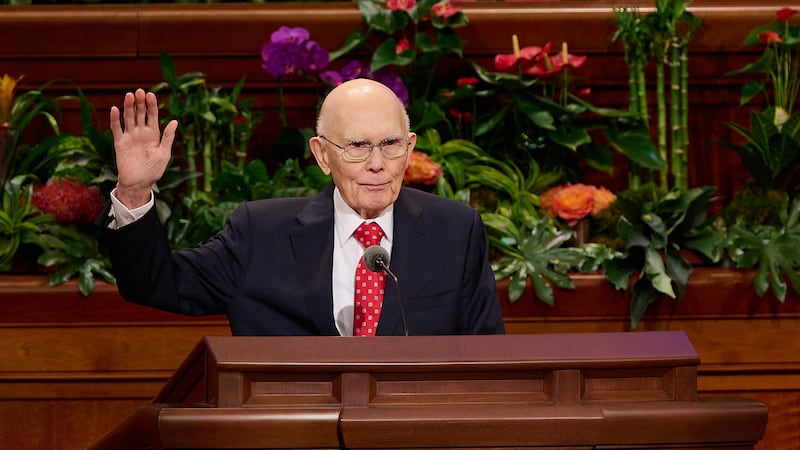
x,y
354,96
364,113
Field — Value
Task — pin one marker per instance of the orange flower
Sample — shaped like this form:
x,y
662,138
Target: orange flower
x,y
422,170
546,199
7,86
603,198
573,202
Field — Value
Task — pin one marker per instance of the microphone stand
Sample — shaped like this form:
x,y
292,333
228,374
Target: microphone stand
x,y
379,261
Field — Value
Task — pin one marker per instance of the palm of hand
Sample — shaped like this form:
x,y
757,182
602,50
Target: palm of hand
x,y
142,157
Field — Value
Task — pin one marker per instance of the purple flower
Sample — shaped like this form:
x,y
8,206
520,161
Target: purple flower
x,y
331,77
356,69
393,81
286,35
289,52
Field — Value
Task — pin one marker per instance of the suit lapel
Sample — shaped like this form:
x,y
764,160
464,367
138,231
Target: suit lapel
x,y
313,250
408,246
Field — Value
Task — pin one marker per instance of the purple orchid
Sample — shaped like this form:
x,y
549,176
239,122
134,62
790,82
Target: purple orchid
x,y
290,52
356,69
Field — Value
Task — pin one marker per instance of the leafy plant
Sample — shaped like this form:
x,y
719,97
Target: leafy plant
x,y
661,37
212,174
412,37
770,152
774,250
655,226
73,252
524,109
20,111
771,147
20,221
534,248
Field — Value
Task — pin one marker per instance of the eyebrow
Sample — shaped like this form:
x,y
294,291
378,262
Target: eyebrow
x,y
367,141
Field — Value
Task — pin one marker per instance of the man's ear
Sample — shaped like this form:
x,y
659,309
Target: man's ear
x,y
412,142
320,155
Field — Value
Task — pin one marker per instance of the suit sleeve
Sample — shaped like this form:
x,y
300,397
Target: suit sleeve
x,y
481,308
196,281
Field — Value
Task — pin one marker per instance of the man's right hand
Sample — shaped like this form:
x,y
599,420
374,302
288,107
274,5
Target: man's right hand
x,y
142,152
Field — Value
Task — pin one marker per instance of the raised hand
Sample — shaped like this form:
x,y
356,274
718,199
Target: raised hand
x,y
142,152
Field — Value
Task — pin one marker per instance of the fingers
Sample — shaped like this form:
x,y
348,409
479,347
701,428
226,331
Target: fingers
x,y
128,113
141,109
152,111
116,128
169,134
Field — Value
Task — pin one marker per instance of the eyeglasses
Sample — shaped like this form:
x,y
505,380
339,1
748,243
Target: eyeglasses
x,y
360,151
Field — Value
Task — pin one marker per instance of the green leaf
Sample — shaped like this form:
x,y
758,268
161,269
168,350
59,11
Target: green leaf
x,y
638,145
643,295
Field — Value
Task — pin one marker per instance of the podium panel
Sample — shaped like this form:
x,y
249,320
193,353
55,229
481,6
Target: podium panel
x,y
565,391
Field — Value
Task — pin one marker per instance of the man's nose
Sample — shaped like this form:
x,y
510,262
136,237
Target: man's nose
x,y
376,160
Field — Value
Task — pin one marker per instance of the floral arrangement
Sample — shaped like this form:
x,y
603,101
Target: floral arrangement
x,y
770,151
510,139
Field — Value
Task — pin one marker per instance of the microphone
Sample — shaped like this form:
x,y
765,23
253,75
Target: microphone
x,y
376,258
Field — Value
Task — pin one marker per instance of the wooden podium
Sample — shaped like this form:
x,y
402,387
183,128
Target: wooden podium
x,y
560,391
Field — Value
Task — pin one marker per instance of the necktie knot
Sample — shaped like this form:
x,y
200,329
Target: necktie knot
x,y
369,234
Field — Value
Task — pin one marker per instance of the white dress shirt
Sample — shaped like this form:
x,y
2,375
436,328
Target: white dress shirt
x,y
346,253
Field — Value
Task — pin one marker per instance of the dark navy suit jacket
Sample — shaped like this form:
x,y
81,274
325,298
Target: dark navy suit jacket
x,y
270,269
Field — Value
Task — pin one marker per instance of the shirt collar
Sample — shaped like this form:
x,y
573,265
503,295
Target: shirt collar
x,y
346,220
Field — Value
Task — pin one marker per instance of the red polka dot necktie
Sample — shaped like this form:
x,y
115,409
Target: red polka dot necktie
x,y
369,285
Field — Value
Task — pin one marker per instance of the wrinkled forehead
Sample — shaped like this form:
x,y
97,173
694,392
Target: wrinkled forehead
x,y
362,111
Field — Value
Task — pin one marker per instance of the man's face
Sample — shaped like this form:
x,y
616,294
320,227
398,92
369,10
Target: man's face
x,y
371,185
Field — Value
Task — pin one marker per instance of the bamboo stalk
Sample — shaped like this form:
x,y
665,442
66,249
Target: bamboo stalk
x,y
661,121
684,63
676,151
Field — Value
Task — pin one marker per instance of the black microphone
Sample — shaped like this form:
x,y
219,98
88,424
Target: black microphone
x,y
376,258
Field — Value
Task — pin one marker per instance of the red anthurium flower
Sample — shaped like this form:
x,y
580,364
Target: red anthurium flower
x,y
402,46
783,14
466,116
506,61
445,10
400,5
466,81
545,65
769,37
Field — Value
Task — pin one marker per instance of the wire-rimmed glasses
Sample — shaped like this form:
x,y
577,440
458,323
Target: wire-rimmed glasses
x,y
392,148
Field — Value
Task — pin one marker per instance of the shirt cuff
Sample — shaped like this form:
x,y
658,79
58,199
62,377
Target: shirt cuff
x,y
121,215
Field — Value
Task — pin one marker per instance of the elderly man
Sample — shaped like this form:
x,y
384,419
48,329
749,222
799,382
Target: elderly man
x,y
294,266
